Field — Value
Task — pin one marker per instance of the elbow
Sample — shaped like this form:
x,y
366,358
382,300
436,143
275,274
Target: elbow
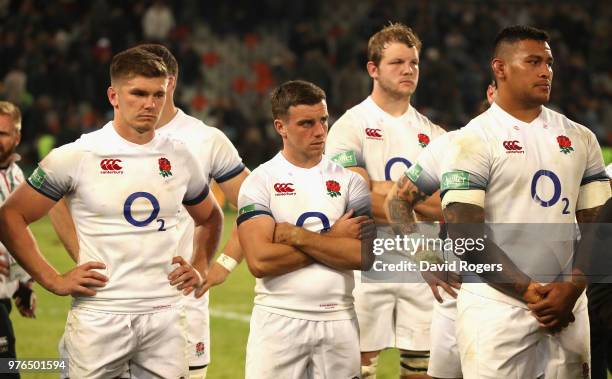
x,y
257,269
366,256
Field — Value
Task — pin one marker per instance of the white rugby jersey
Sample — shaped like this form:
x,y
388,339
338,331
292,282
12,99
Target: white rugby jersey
x,y
125,199
315,199
10,178
218,158
366,136
531,173
428,169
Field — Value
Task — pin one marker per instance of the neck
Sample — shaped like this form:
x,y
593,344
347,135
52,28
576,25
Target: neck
x,y
393,105
131,134
167,114
517,109
301,160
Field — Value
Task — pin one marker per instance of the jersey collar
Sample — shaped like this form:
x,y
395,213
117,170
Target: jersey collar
x,y
510,121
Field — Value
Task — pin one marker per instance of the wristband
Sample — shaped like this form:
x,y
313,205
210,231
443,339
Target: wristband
x,y
227,262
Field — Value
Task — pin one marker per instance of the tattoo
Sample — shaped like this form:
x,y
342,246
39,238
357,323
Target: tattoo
x,y
587,215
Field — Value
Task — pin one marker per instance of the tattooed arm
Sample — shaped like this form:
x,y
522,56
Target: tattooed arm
x,y
399,205
463,221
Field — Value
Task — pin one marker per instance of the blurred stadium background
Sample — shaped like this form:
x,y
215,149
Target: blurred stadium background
x,y
54,58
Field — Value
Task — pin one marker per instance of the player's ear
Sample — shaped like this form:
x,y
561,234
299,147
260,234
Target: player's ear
x,y
372,69
499,68
280,127
112,96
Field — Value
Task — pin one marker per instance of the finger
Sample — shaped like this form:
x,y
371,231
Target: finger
x,y
436,293
448,289
180,279
188,290
93,265
346,216
82,291
540,306
177,272
96,275
178,259
360,219
543,290
543,320
90,282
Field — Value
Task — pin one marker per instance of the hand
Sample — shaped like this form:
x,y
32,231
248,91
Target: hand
x,y
4,264
77,281
216,275
285,233
554,311
531,295
351,227
185,276
25,299
449,281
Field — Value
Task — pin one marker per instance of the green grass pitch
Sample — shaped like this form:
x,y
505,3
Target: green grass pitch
x,y
230,304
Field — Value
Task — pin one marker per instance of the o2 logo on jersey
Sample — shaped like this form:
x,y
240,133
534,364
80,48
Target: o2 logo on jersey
x,y
305,216
127,210
556,190
372,133
392,162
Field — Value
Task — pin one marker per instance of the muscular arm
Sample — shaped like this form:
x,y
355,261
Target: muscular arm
x,y
263,256
463,221
208,220
341,253
400,201
62,222
23,207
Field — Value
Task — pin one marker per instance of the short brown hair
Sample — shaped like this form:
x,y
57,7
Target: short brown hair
x,y
165,54
394,32
137,62
293,93
11,110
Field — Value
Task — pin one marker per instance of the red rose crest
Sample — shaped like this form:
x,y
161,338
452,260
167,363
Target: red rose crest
x,y
199,349
164,167
565,144
423,139
333,188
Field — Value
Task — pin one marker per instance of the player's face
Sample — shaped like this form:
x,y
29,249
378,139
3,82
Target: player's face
x,y
9,138
139,101
397,73
529,71
305,130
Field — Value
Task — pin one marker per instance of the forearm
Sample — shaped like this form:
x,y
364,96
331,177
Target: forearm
x,y
206,241
430,209
337,252
274,259
232,247
18,239
62,222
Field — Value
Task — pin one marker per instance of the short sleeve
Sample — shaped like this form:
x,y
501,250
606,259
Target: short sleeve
x,y
254,197
226,160
56,174
595,169
344,144
426,172
197,186
467,163
359,196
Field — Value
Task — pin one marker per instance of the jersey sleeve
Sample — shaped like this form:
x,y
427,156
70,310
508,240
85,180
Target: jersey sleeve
x,y
226,160
359,196
56,174
425,174
344,145
197,186
467,163
254,197
594,186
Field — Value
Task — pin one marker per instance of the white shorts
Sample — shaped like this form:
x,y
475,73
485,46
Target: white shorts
x,y
393,315
198,330
502,340
291,348
99,345
444,360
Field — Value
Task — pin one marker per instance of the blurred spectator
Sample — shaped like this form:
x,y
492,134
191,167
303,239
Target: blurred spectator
x,y
157,22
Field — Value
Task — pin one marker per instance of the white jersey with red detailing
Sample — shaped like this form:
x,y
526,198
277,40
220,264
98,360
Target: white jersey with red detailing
x,y
314,199
366,136
125,201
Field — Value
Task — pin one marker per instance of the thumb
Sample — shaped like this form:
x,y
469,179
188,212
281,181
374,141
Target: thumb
x,y
543,290
347,215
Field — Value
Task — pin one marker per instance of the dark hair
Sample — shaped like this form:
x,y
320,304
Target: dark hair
x,y
293,93
165,54
517,33
394,32
137,62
